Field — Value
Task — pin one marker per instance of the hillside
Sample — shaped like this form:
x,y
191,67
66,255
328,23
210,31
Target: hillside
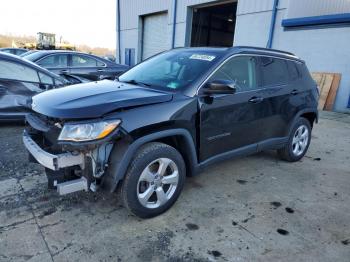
x,y
6,41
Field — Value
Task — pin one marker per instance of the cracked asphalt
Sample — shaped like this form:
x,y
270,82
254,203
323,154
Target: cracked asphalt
x,y
256,208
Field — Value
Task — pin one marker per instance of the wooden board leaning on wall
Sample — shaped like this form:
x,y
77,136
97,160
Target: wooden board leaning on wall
x,y
328,84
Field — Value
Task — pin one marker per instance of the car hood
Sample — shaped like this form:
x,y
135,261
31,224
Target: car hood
x,y
94,99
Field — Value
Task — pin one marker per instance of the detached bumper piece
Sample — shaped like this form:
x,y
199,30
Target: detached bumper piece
x,y
53,162
72,186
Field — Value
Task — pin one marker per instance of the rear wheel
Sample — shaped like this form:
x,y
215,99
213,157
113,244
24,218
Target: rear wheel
x,y
298,142
154,180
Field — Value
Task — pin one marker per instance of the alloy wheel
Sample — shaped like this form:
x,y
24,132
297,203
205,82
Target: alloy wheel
x,y
157,183
300,140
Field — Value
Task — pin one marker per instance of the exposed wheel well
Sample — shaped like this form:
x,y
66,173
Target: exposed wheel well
x,y
180,144
311,117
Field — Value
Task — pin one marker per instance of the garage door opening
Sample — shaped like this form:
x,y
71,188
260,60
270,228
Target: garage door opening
x,y
214,25
154,34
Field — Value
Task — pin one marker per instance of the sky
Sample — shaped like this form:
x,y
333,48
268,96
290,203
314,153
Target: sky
x,y
89,22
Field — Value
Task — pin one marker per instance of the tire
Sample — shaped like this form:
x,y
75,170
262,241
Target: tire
x,y
154,180
290,152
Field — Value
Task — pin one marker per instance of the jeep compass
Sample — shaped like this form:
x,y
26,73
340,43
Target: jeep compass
x,y
169,117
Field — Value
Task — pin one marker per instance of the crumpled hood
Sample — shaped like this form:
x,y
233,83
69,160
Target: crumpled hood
x,y
94,99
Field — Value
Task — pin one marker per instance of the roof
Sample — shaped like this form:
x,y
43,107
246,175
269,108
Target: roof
x,y
246,49
43,53
266,51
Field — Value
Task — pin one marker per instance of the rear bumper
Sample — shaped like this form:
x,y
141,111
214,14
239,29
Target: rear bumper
x,y
51,161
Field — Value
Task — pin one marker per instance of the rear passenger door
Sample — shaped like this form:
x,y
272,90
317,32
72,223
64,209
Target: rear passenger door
x,y
86,66
56,63
279,81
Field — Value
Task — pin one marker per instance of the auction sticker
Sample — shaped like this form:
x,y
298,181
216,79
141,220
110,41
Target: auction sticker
x,y
203,57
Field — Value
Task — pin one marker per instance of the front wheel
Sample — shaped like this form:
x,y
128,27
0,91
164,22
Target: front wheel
x,y
298,142
154,180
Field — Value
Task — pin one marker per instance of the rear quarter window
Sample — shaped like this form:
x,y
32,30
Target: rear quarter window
x,y
274,71
293,70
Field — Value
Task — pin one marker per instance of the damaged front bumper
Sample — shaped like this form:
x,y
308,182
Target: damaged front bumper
x,y
51,161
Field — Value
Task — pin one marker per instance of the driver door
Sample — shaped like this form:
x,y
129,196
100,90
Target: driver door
x,y
232,122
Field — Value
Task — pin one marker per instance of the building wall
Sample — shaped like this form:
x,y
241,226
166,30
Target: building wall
x,y
324,49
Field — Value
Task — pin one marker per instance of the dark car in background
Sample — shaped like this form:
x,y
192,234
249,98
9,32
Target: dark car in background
x,y
75,63
14,51
19,81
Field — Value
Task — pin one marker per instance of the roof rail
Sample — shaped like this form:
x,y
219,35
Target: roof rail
x,y
265,49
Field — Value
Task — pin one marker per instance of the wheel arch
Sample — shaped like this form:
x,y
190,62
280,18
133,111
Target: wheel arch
x,y
311,114
123,153
312,117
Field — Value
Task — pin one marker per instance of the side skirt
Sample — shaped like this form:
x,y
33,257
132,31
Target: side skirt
x,y
269,144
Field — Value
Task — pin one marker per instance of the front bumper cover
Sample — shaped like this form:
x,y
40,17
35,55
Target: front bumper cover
x,y
51,161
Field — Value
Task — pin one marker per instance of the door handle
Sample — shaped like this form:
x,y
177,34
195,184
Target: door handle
x,y
100,70
64,71
294,92
256,99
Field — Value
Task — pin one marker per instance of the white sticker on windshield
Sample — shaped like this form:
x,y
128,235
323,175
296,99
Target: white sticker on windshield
x,y
203,57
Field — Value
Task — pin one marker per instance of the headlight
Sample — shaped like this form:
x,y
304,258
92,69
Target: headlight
x,y
88,131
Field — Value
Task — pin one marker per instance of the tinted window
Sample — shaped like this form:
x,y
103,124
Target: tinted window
x,y
239,69
274,71
34,56
9,51
9,70
83,61
20,51
99,63
59,82
293,71
45,79
53,61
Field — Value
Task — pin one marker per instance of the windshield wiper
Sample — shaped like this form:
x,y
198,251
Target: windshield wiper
x,y
134,82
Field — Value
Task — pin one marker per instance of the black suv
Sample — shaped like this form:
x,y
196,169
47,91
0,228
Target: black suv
x,y
169,117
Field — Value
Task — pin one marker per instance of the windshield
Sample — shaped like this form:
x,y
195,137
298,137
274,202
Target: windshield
x,y
28,53
172,70
33,56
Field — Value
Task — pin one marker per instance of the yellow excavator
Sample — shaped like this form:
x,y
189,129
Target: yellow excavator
x,y
45,41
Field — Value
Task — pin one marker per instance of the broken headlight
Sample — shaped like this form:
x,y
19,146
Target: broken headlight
x,y
88,131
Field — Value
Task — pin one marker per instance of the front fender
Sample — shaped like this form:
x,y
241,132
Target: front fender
x,y
124,151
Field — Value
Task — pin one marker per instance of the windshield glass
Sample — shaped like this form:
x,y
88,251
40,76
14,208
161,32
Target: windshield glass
x,y
172,70
28,53
33,56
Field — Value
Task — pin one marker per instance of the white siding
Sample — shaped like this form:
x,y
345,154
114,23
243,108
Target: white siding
x,y
306,8
258,6
130,10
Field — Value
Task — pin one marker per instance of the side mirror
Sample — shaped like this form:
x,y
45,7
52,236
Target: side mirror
x,y
220,87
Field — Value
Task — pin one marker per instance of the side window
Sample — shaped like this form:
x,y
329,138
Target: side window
x,y
14,71
54,61
83,61
241,69
274,71
99,63
293,71
59,82
45,79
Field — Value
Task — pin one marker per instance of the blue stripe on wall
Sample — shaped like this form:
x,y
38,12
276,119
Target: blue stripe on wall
x,y
317,20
